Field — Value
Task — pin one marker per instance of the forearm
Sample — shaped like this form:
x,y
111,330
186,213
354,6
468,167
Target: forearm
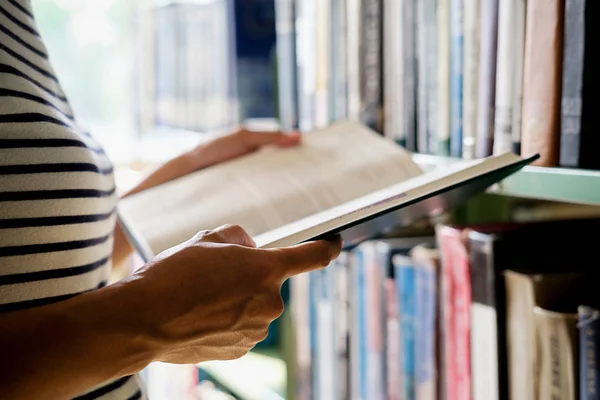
x,y
61,350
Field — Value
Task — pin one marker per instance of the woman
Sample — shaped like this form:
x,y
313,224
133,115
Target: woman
x,y
64,333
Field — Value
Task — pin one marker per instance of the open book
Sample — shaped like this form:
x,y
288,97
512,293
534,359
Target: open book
x,y
342,179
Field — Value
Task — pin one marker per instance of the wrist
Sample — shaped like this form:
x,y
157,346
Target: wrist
x,y
108,321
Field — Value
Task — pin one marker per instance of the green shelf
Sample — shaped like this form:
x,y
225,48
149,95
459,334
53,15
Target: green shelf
x,y
555,184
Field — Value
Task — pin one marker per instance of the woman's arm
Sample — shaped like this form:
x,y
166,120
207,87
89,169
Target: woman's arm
x,y
61,350
211,298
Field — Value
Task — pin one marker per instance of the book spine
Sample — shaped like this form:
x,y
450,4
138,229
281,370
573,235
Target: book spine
x,y
470,77
340,279
509,69
588,122
371,65
393,338
431,71
339,55
322,110
325,331
487,78
393,71
314,278
457,292
353,19
421,56
518,48
305,45
456,77
572,82
286,64
335,37
589,342
375,271
557,353
409,93
356,324
425,332
443,77
300,292
484,322
405,281
542,76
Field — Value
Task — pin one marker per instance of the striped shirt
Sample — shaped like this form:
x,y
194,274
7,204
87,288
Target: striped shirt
x,y
57,192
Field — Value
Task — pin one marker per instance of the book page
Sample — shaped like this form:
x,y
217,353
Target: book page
x,y
270,188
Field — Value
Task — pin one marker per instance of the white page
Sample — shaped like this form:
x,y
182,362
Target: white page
x,y
270,188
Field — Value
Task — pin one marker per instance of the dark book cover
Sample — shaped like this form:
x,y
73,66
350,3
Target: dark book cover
x,y
579,140
521,247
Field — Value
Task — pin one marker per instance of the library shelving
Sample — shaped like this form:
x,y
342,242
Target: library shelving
x,y
568,185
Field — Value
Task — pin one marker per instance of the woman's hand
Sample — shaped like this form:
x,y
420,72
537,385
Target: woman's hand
x,y
216,151
213,297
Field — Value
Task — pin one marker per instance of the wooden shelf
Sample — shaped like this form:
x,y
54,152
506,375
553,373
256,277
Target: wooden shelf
x,y
556,184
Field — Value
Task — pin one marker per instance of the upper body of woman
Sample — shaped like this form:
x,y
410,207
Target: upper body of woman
x,y
65,333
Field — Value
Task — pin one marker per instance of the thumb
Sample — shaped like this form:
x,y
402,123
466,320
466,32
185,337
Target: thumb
x,y
306,257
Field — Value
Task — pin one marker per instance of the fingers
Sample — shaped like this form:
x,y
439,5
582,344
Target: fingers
x,y
307,256
256,139
232,234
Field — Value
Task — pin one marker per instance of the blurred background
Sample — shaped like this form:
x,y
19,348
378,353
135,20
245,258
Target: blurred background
x,y
140,71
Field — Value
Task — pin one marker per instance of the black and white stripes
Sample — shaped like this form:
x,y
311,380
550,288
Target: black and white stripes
x,y
57,192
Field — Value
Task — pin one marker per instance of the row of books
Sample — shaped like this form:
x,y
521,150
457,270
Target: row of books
x,y
204,66
464,78
465,312
185,69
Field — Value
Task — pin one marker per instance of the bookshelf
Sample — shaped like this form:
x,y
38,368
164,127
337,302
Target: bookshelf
x,y
567,185
445,116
